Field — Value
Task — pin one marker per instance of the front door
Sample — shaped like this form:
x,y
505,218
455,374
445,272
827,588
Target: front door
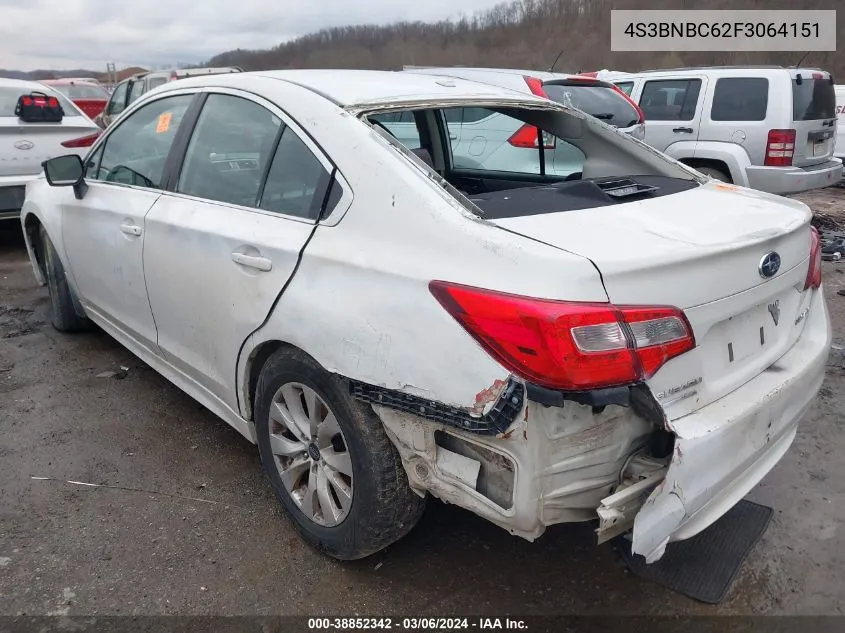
x,y
104,232
222,246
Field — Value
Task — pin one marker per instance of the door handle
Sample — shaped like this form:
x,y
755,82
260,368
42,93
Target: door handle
x,y
679,130
130,229
252,261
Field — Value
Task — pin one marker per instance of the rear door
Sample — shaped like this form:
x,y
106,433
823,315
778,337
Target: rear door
x,y
814,116
222,245
672,109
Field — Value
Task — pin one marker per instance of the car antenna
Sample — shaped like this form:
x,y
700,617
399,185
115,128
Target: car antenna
x,y
554,63
802,59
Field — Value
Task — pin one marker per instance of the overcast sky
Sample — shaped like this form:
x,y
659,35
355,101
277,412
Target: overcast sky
x,y
60,34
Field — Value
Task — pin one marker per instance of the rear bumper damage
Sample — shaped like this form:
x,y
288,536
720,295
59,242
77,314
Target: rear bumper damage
x,y
785,180
625,465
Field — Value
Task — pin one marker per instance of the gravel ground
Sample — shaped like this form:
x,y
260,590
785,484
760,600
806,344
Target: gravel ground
x,y
205,536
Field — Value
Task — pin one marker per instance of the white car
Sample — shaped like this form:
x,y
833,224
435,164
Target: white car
x,y
24,145
635,346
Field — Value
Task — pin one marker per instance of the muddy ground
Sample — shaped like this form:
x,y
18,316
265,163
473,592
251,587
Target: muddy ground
x,y
207,536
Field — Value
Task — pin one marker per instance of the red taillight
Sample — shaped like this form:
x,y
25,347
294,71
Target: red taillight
x,y
535,86
82,141
814,274
564,345
526,137
780,148
633,103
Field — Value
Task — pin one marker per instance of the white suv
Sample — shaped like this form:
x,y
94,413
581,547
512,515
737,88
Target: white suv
x,y
768,128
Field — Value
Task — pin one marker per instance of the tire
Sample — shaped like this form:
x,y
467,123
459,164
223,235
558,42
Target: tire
x,y
382,509
713,172
63,314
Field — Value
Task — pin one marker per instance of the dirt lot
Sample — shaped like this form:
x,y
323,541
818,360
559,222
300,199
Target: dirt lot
x,y
208,538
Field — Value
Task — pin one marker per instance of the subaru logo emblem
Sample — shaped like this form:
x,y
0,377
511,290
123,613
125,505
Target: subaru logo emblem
x,y
769,265
24,145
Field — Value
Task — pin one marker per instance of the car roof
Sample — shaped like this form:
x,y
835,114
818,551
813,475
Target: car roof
x,y
545,75
348,88
69,82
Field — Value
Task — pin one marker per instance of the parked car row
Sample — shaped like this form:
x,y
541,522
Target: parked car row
x,y
367,278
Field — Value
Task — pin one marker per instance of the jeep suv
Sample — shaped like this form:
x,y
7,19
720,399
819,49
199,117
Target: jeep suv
x,y
768,128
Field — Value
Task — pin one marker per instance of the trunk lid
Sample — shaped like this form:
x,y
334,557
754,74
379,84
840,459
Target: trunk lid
x,y
700,250
814,116
24,146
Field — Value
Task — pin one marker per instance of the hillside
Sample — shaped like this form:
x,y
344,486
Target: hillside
x,y
521,34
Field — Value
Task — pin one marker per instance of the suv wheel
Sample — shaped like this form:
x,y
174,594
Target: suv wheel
x,y
329,460
713,172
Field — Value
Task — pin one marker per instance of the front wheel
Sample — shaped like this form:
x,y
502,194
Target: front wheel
x,y
63,313
329,460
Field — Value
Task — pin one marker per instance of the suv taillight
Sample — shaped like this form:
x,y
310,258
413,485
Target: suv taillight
x,y
814,273
564,345
636,106
780,148
526,136
82,141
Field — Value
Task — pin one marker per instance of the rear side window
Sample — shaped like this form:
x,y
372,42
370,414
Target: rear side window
x,y
670,99
599,101
229,150
297,182
740,99
9,99
626,86
813,99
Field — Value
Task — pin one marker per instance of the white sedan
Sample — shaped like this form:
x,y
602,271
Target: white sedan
x,y
633,344
25,144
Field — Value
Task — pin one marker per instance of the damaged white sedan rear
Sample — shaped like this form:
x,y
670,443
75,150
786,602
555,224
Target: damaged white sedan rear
x,y
549,323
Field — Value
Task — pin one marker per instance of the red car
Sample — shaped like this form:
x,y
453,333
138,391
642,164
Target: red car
x,y
90,97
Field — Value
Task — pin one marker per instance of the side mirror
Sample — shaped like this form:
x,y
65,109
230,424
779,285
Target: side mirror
x,y
66,171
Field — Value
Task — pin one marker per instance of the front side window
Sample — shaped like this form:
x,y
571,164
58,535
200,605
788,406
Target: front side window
x,y
229,151
740,99
670,99
136,89
118,99
135,152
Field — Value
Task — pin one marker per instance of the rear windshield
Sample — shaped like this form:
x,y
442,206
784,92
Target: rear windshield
x,y
599,101
813,99
9,99
82,91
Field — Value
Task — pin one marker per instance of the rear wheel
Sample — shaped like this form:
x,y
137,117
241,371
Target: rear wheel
x,y
63,314
716,173
329,460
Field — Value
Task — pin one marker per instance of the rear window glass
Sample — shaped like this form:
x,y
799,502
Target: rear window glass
x,y
813,99
599,101
9,99
740,99
82,91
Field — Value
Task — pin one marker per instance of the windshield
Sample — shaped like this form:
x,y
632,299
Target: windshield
x,y
9,99
599,101
813,99
82,91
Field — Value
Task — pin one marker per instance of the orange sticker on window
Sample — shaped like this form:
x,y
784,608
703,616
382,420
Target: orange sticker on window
x,y
163,122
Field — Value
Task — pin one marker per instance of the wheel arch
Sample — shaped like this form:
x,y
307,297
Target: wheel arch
x,y
35,246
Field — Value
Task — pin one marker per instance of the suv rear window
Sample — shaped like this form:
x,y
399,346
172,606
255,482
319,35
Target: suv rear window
x,y
9,99
601,102
740,99
813,99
